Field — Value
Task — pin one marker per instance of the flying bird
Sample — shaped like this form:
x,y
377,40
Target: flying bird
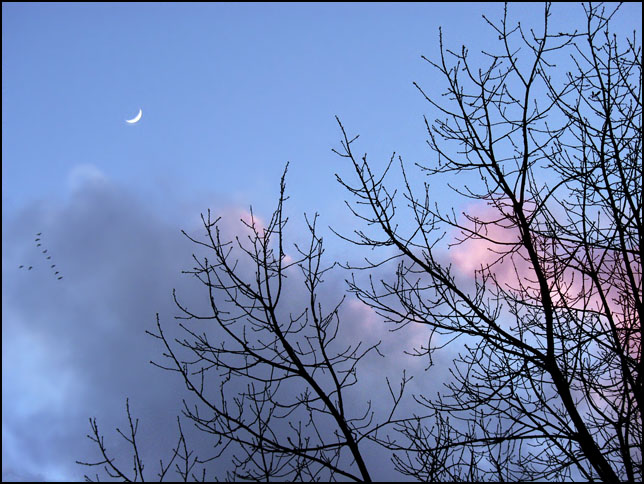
x,y
53,265
60,278
39,234
37,240
44,251
30,267
48,257
20,267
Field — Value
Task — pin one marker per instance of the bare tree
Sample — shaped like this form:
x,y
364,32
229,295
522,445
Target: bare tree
x,y
273,387
184,460
548,385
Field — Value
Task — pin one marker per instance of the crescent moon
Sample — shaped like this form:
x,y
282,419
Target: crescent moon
x,y
135,118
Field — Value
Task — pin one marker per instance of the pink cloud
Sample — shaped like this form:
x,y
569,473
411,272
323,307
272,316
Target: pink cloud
x,y
489,235
490,245
364,316
235,222
252,221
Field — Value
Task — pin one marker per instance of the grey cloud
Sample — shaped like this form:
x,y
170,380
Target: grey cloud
x,y
77,348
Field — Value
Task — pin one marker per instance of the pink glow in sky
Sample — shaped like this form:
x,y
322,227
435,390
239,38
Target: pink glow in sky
x,y
480,252
570,289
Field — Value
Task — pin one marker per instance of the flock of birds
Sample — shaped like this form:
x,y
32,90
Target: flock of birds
x,y
39,241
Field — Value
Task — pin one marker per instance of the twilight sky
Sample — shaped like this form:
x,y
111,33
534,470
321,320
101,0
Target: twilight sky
x,y
229,93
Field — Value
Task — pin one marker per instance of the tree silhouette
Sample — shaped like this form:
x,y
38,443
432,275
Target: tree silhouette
x,y
274,385
547,384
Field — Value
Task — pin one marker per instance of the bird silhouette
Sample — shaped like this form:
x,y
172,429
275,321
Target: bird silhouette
x,y
39,243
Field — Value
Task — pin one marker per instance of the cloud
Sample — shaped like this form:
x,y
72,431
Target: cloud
x,y
565,263
493,237
84,175
76,347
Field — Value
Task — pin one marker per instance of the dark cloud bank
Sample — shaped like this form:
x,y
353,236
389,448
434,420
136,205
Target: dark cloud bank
x,y
76,348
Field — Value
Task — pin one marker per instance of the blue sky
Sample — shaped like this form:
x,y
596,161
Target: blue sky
x,y
229,94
